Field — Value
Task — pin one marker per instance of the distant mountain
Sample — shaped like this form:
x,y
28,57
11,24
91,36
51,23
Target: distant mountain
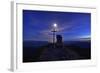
x,y
83,43
34,43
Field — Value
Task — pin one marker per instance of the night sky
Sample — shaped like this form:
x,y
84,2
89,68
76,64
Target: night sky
x,y
37,25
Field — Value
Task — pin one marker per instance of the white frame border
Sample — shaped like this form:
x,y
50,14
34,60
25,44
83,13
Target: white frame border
x,y
16,64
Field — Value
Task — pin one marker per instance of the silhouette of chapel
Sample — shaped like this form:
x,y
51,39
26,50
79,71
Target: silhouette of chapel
x,y
59,41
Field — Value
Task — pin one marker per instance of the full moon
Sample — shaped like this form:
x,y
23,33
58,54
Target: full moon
x,y
55,25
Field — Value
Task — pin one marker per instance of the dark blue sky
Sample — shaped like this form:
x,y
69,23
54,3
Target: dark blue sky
x,y
37,25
